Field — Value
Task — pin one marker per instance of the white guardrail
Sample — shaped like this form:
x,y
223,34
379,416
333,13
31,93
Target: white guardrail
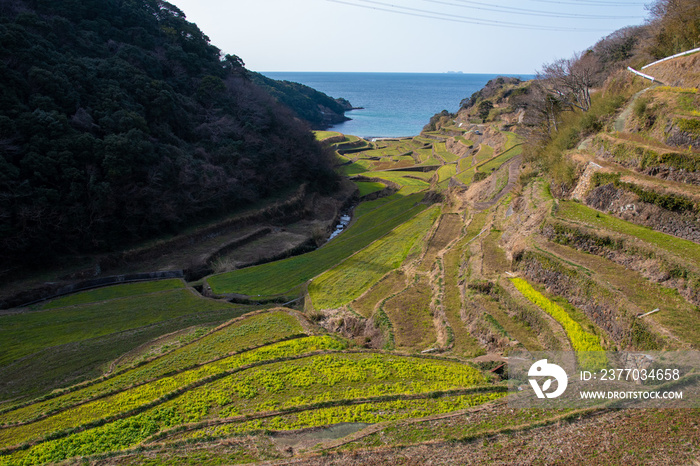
x,y
653,79
689,52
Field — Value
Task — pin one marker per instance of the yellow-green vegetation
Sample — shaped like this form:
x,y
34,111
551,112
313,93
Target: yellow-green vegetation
x,y
465,141
449,228
25,333
466,176
464,343
369,206
159,390
678,315
464,163
591,353
369,187
307,381
512,328
512,139
389,285
323,135
494,257
424,154
325,378
485,153
445,173
431,162
352,169
443,153
402,178
370,413
503,157
347,281
411,317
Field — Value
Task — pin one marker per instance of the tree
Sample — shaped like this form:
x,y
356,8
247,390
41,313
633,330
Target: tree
x,y
120,121
676,26
235,64
485,108
545,106
616,49
570,80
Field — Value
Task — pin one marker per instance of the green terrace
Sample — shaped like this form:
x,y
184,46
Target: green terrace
x,y
286,276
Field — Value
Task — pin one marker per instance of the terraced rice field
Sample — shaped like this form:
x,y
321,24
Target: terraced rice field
x,y
425,273
588,216
84,317
284,276
350,279
368,187
217,377
583,342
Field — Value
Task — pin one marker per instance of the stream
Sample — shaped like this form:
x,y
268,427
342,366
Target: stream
x,y
343,222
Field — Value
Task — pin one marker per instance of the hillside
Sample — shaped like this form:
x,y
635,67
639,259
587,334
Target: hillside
x,y
313,106
455,258
120,122
679,72
539,217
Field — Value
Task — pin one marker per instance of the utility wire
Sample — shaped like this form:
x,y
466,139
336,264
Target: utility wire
x,y
379,6
525,11
590,3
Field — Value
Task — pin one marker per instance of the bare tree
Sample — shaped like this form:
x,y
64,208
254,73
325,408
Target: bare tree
x,y
570,80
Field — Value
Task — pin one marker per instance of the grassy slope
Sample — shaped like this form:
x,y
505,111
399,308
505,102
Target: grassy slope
x,y
366,187
113,292
239,334
43,349
284,276
579,213
25,333
350,279
322,389
267,386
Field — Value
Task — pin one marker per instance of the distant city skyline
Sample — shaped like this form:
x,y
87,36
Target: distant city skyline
x,y
424,36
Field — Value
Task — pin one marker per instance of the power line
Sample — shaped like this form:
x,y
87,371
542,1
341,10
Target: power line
x,y
525,11
406,11
590,3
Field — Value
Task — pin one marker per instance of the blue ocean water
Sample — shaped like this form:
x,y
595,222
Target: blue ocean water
x,y
394,104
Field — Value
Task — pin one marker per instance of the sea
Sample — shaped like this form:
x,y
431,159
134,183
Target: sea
x,y
393,104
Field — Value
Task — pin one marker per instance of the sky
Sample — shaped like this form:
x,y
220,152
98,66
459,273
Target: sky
x,y
412,36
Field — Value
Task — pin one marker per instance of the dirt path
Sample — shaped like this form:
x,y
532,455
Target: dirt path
x,y
620,121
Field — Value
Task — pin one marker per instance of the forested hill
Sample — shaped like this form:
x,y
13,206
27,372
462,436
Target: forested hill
x,y
313,106
119,121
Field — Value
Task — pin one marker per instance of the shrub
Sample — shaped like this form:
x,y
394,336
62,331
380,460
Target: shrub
x,y
689,125
478,176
